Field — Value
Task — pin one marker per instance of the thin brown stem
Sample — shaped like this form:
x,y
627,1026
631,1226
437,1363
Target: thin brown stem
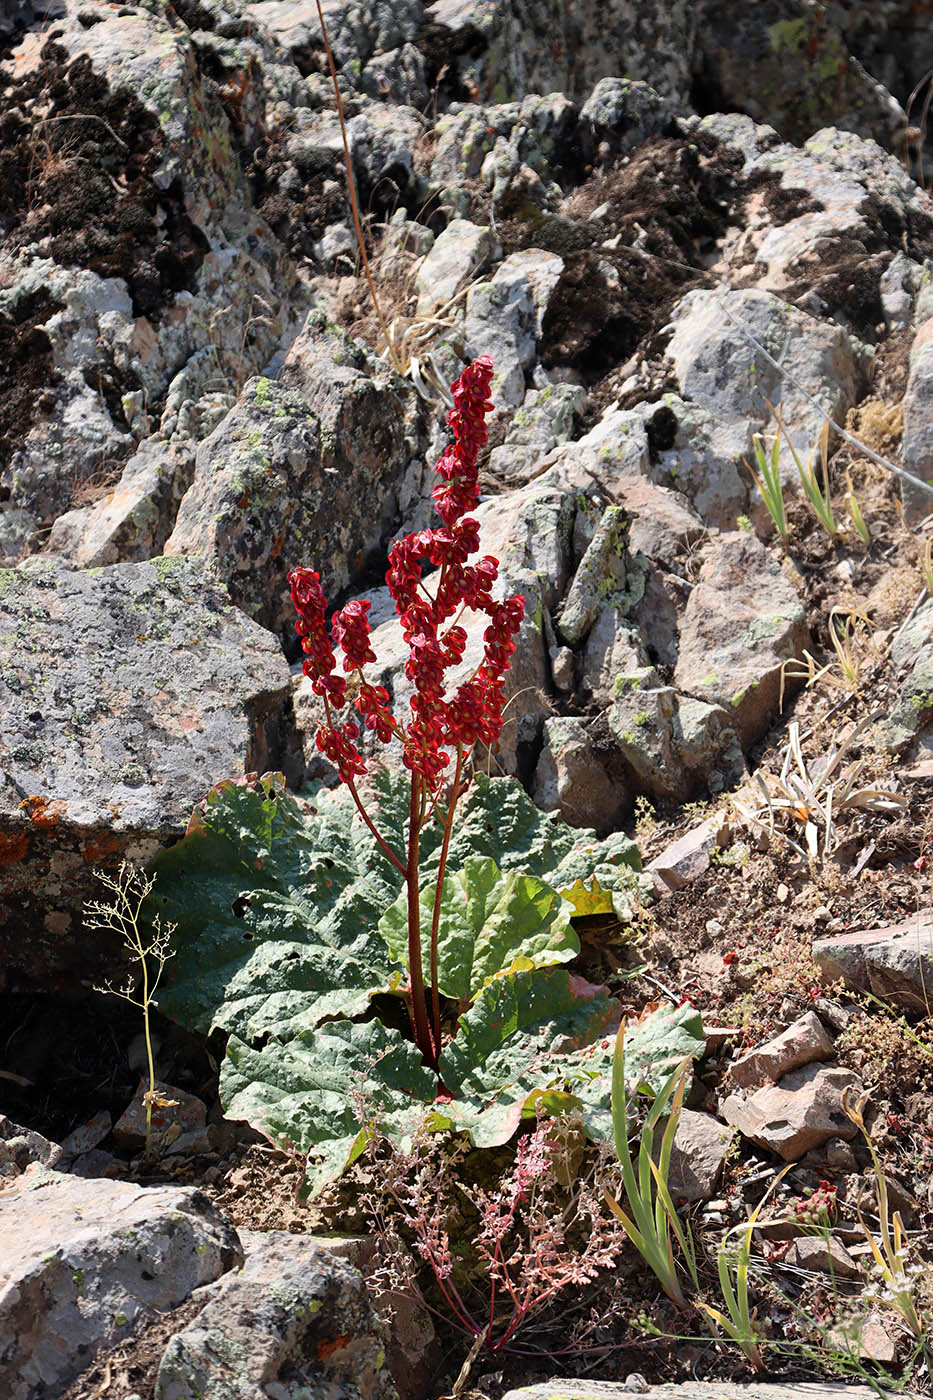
x,y
415,970
351,186
438,895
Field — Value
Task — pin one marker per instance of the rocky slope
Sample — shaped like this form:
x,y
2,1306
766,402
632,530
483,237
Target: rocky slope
x,y
658,221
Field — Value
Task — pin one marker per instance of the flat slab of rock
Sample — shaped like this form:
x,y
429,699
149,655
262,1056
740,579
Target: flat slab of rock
x,y
125,694
895,962
691,1390
803,1111
829,1256
80,1259
294,1320
800,1044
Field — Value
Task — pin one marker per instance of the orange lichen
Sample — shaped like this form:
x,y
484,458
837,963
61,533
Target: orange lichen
x,y
99,846
13,846
42,813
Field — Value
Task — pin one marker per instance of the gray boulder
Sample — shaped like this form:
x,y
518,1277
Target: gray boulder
x,y
294,1321
125,694
283,480
717,367
83,1259
742,622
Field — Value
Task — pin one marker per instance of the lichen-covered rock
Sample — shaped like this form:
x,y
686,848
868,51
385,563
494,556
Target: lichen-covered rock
x,y
789,65
672,744
614,654
303,471
717,367
700,456
82,1259
294,1321
133,521
125,694
546,418
566,45
458,255
743,620
571,777
607,577
619,114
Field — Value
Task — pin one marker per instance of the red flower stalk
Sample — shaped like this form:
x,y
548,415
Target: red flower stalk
x,y
442,728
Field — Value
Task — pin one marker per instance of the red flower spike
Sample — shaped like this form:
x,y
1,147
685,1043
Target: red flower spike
x,y
474,712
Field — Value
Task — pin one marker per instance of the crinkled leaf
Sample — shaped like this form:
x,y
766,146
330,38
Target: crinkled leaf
x,y
276,906
498,819
488,921
327,1091
524,1034
614,863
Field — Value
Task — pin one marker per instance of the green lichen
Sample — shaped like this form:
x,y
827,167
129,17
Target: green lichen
x,y
710,679
77,1278
261,390
760,629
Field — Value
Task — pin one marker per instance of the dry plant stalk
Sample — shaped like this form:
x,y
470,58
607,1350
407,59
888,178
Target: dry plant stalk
x,y
123,915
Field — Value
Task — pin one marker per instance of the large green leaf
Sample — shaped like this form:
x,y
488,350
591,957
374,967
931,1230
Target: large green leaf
x,y
532,1040
276,906
488,922
498,819
328,1090
524,1034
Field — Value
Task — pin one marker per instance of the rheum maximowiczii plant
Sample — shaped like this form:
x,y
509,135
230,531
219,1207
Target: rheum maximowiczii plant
x,y
444,727
303,921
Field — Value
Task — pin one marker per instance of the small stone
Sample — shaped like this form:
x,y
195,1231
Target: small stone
x,y
713,928
562,669
799,1113
173,1112
800,1044
828,1256
838,1155
782,893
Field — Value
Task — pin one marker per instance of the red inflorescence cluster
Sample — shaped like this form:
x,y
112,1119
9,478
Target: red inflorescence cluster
x,y
438,723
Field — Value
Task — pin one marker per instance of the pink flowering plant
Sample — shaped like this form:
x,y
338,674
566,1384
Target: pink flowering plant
x,y
387,957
